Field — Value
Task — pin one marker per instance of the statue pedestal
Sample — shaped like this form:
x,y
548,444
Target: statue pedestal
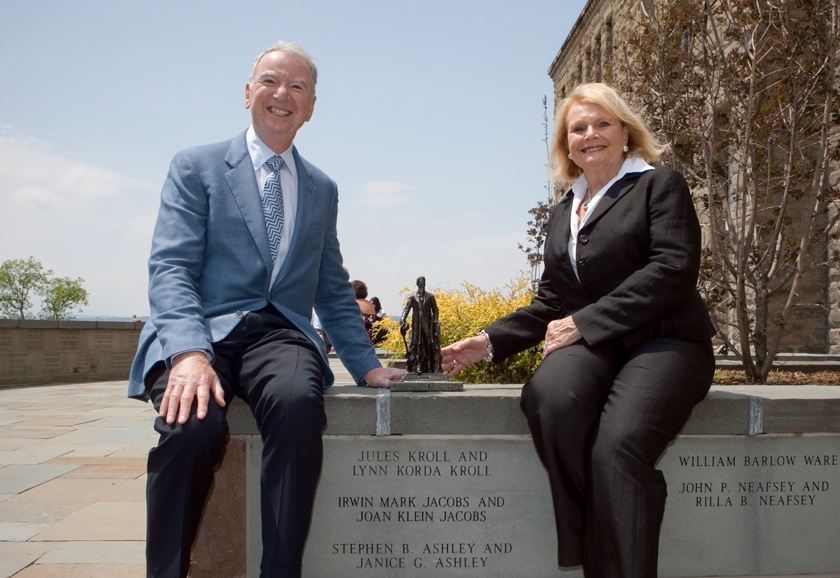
x,y
426,382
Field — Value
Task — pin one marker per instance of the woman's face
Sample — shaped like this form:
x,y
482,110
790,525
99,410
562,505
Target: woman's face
x,y
596,139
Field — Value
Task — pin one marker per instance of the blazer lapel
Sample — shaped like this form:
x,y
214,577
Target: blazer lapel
x,y
243,187
560,234
615,192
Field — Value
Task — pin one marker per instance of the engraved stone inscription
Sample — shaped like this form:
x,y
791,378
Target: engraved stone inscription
x,y
102,340
70,340
52,362
83,363
6,341
725,493
115,361
421,506
466,506
19,364
33,340
798,479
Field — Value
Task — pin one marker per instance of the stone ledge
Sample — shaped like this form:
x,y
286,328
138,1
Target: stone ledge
x,y
68,324
494,410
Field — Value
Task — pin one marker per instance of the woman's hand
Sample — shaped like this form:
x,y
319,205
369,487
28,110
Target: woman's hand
x,y
458,356
560,333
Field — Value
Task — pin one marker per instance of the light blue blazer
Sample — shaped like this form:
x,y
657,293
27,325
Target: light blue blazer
x,y
210,262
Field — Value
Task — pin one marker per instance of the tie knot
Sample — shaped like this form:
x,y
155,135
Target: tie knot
x,y
274,163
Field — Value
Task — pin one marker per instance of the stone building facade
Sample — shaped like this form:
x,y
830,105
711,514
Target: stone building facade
x,y
593,52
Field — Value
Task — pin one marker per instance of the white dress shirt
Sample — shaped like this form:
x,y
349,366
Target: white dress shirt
x,y
260,153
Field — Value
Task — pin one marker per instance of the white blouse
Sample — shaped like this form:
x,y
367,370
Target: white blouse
x,y
632,164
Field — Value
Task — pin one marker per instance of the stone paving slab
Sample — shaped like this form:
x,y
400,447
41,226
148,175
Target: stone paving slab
x,y
32,454
14,556
35,433
83,571
96,552
20,531
15,510
17,478
105,467
90,490
100,521
10,444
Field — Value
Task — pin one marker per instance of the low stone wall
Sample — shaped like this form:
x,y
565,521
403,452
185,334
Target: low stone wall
x,y
457,489
44,352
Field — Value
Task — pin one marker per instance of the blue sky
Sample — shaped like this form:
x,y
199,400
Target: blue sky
x,y
429,117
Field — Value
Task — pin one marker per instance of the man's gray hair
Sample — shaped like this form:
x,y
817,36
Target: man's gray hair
x,y
291,48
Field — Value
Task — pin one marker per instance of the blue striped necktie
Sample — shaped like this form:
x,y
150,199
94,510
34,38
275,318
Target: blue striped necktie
x,y
272,200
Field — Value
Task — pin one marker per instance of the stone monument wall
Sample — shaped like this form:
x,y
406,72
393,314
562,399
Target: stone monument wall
x,y
457,489
44,352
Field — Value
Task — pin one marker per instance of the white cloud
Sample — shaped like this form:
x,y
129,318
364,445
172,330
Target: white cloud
x,y
35,196
384,194
78,219
31,173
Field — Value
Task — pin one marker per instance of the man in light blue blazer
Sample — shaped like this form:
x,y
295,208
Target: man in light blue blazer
x,y
244,248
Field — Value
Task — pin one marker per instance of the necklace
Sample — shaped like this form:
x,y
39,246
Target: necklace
x,y
586,200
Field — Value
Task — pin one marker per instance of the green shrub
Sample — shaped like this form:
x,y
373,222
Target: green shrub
x,y
465,312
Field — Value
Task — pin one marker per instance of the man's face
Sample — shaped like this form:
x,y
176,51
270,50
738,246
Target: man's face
x,y
281,98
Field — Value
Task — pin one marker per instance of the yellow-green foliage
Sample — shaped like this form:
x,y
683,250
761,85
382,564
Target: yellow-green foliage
x,y
463,313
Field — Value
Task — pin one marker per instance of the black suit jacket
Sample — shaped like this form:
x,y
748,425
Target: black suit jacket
x,y
638,257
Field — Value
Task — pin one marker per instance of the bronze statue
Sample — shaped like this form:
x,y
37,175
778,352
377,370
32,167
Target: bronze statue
x,y
423,349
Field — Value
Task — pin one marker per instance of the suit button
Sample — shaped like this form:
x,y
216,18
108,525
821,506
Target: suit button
x,y
583,261
587,286
239,315
583,239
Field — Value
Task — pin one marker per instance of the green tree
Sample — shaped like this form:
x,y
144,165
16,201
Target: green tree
x,y
19,280
60,296
746,93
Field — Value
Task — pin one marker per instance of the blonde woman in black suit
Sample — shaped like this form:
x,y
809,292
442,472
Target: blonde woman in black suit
x,y
627,340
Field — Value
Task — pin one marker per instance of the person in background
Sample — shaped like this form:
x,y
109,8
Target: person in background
x,y
244,249
627,348
379,333
366,308
377,307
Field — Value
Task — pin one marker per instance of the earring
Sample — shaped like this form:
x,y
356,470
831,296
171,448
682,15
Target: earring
x,y
626,148
570,156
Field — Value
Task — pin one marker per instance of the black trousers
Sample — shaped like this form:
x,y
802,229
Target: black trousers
x,y
600,419
276,370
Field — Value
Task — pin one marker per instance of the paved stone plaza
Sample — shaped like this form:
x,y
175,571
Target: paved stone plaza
x,y
72,481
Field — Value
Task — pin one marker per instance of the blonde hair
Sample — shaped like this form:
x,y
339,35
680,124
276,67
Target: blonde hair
x,y
640,141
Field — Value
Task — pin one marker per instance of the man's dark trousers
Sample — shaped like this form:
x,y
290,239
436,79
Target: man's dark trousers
x,y
277,371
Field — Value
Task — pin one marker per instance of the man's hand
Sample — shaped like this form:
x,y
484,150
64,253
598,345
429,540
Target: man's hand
x,y
383,376
190,377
